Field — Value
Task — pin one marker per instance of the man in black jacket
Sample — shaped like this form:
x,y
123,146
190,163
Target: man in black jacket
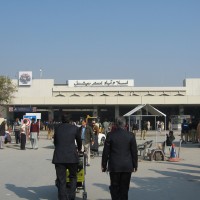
x,y
120,152
66,156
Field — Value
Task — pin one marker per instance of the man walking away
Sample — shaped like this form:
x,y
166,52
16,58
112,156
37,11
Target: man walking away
x,y
120,153
66,156
16,129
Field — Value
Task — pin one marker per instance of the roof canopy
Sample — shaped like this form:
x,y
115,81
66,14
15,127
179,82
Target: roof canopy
x,y
150,110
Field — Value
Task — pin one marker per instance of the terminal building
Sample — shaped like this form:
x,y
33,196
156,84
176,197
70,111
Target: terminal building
x,y
102,98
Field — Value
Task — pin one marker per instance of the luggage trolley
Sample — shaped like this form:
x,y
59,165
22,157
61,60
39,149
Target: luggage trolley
x,y
80,175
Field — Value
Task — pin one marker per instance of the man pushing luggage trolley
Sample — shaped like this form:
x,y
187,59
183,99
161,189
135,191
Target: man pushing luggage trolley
x,y
66,158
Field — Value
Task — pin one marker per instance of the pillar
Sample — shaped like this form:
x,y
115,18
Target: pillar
x,y
181,110
95,111
116,111
50,115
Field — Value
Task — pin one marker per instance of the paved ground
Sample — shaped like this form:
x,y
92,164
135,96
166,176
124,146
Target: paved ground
x,y
30,175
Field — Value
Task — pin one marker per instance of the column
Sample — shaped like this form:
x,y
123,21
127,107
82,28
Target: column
x,y
181,110
116,111
50,115
95,111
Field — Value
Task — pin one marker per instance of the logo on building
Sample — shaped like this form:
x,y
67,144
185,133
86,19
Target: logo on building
x,y
25,78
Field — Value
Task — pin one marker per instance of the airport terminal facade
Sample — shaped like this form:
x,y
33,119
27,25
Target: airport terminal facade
x,y
102,98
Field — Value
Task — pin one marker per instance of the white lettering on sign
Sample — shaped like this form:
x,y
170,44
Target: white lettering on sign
x,y
101,83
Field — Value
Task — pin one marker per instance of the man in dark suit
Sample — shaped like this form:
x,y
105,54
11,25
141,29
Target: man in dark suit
x,y
66,156
120,153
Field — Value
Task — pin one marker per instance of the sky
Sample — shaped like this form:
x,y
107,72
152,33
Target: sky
x,y
154,42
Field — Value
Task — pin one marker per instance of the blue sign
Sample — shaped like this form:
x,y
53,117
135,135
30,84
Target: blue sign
x,y
30,117
22,109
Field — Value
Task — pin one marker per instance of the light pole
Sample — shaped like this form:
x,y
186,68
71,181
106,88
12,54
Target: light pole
x,y
41,73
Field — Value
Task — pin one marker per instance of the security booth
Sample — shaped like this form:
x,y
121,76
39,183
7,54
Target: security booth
x,y
146,110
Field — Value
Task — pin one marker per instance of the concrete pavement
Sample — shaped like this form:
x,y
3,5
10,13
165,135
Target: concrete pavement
x,y
30,175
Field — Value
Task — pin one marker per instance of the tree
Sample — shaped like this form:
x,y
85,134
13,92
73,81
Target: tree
x,y
7,88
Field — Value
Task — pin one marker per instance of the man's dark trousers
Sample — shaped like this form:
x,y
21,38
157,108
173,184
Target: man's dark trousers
x,y
17,136
119,187
63,193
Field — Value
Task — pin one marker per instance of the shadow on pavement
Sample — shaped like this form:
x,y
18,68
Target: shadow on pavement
x,y
35,193
13,146
49,147
180,164
177,184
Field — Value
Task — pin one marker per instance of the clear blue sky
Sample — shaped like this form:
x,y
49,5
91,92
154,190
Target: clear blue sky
x,y
154,42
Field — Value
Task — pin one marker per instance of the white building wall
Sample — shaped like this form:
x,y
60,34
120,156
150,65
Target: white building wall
x,y
44,92
38,88
193,86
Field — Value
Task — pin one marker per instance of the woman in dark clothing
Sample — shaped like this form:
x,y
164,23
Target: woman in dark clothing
x,y
2,133
95,146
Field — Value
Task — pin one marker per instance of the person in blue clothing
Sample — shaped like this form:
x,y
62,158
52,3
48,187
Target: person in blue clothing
x,y
184,131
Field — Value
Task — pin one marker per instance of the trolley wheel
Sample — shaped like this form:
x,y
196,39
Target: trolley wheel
x,y
84,195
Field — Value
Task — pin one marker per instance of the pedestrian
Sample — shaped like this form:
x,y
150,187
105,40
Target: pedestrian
x,y
148,125
16,129
66,156
135,128
50,128
184,131
106,125
169,140
198,132
24,132
120,154
34,134
159,126
144,130
2,132
87,139
95,146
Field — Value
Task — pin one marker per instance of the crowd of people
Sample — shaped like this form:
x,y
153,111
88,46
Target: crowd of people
x,y
190,131
71,138
22,133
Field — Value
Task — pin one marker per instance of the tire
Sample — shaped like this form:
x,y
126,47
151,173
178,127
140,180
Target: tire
x,y
84,195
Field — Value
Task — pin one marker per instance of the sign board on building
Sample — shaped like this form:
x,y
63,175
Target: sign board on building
x,y
36,115
22,109
101,83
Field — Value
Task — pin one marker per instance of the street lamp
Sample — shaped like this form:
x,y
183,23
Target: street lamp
x,y
41,73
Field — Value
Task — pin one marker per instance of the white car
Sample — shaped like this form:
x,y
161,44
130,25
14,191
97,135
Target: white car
x,y
101,139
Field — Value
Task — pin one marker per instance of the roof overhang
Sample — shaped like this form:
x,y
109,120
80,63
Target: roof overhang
x,y
150,110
